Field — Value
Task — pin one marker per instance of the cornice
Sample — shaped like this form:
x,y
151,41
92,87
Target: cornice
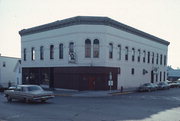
x,y
91,20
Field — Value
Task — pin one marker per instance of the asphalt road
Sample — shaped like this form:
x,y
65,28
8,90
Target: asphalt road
x,y
149,106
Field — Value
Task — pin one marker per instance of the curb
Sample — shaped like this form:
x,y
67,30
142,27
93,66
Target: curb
x,y
84,95
120,93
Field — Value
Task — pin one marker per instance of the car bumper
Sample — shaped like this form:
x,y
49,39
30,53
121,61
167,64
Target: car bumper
x,y
42,98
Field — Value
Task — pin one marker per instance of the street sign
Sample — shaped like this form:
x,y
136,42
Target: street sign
x,y
110,83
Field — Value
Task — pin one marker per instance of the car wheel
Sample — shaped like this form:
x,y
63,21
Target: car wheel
x,y
26,100
9,99
43,101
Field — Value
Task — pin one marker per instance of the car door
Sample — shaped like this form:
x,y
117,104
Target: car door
x,y
18,93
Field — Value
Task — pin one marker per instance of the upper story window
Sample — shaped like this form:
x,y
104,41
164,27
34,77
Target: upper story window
x,y
71,47
110,50
96,48
41,53
153,58
165,60
119,52
144,56
132,71
126,53
72,55
139,55
33,53
51,51
24,54
157,58
4,64
87,48
133,54
61,51
148,57
161,59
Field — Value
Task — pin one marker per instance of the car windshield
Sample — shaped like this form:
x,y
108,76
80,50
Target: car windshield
x,y
34,88
147,84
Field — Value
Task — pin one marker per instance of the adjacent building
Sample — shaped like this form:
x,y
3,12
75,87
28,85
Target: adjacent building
x,y
173,74
91,53
10,71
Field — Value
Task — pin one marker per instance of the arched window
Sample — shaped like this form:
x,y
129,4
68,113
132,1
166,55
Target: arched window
x,y
33,53
72,55
71,47
87,48
110,50
133,54
157,58
96,48
126,53
119,52
51,51
144,56
41,53
61,51
24,52
152,57
165,61
139,55
148,60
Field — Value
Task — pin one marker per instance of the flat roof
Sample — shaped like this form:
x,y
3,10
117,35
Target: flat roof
x,y
91,20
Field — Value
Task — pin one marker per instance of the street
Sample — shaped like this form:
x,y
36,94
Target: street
x,y
161,105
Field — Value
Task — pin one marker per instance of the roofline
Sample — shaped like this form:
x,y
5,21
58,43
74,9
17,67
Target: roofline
x,y
10,57
91,20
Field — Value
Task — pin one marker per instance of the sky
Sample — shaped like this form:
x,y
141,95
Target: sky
x,y
160,18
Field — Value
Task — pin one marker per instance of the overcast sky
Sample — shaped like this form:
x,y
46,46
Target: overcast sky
x,y
160,18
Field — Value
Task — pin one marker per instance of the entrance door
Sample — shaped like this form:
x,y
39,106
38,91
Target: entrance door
x,y
91,83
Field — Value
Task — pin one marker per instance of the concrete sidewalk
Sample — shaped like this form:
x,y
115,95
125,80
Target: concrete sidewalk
x,y
75,93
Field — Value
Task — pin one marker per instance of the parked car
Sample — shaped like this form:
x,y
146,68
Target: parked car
x,y
163,85
155,86
28,93
174,84
147,87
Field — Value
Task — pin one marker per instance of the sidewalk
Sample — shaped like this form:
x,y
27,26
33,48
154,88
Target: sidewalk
x,y
75,93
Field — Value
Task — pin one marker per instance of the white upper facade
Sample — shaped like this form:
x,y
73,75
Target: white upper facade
x,y
119,42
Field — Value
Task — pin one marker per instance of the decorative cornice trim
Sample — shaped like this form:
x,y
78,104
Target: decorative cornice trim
x,y
91,20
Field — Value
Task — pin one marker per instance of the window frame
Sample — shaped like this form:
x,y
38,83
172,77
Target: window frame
x,y
87,48
51,51
96,48
126,53
61,50
24,54
41,52
110,50
33,54
133,54
119,52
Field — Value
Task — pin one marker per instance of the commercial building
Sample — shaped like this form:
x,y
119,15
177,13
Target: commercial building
x,y
85,53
